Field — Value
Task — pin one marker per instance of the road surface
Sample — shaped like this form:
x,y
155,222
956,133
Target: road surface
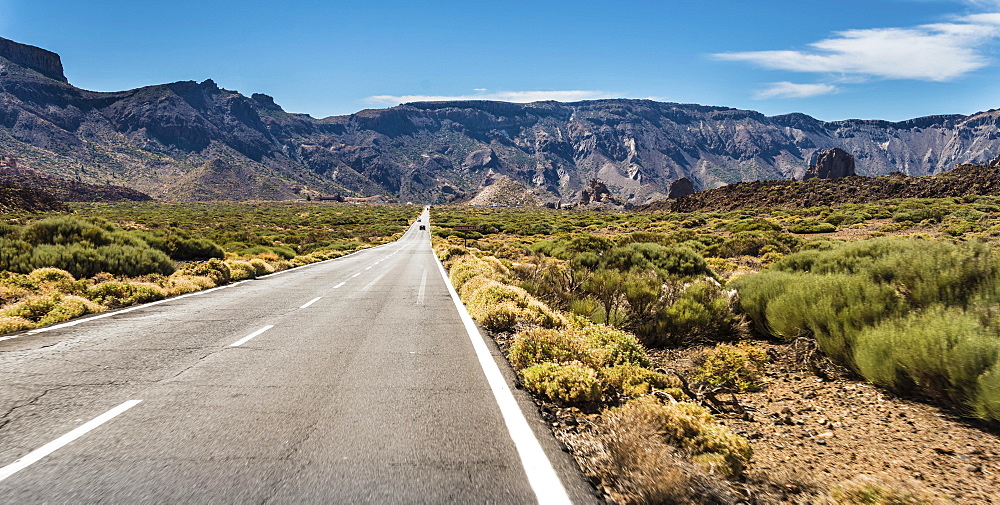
x,y
348,381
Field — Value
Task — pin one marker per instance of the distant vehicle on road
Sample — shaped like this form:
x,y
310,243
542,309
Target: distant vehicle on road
x,y
423,227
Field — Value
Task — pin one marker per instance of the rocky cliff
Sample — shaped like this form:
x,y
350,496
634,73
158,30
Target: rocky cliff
x,y
44,62
193,141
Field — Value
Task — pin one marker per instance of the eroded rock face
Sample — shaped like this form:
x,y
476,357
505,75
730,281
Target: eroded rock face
x,y
44,62
832,164
597,191
680,187
477,160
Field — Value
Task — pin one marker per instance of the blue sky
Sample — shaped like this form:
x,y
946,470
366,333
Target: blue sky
x,y
872,59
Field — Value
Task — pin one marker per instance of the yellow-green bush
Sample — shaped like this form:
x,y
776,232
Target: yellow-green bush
x,y
594,345
689,427
261,267
571,382
115,294
215,269
10,324
68,307
240,270
732,367
634,380
32,308
501,307
867,491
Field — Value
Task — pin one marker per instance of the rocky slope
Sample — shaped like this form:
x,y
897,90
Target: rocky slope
x,y
195,141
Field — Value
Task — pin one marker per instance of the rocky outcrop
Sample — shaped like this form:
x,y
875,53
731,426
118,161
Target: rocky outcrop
x,y
596,191
832,164
504,192
44,62
680,188
481,159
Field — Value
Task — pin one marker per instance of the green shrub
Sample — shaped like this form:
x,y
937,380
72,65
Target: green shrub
x,y
752,224
986,402
940,352
700,313
751,243
674,260
812,227
567,382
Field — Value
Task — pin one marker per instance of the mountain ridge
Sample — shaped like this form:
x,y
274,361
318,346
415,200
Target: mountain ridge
x,y
173,141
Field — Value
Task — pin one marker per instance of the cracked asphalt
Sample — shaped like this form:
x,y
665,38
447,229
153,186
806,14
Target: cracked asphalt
x,y
371,394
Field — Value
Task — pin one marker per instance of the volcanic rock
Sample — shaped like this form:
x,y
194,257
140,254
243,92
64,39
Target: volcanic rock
x,y
832,164
680,187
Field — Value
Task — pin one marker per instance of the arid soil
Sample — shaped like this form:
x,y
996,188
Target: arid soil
x,y
813,429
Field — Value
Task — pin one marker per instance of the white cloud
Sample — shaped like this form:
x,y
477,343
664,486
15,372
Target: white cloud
x,y
932,52
504,96
787,89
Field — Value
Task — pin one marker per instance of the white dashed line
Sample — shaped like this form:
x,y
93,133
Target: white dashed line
x,y
58,443
310,302
250,336
372,283
423,288
338,285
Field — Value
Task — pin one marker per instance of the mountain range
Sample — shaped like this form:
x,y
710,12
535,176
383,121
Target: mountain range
x,y
196,141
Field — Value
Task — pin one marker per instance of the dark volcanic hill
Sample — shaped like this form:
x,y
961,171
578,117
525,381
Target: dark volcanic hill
x,y
964,180
196,141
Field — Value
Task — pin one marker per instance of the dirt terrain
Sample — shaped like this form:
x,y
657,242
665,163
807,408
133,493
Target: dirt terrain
x,y
813,431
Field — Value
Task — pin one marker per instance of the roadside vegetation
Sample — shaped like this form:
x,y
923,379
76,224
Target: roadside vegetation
x,y
586,306
57,266
902,293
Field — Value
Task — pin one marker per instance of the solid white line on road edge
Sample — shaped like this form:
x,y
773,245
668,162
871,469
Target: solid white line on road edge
x,y
310,302
423,288
252,335
542,477
341,284
37,454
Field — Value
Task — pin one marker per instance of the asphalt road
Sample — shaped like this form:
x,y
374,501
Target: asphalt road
x,y
348,381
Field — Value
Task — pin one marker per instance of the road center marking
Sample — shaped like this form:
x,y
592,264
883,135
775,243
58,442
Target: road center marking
x,y
37,454
542,477
423,288
357,274
310,302
372,283
250,336
338,285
